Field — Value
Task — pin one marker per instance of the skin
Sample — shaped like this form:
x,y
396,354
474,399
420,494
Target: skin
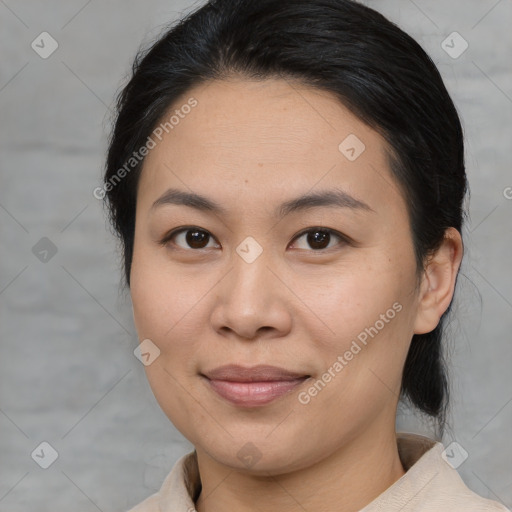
x,y
251,146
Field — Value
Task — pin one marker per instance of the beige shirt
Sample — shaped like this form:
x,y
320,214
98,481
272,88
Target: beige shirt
x,y
430,484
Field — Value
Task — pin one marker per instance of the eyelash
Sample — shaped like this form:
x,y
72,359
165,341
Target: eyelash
x,y
342,239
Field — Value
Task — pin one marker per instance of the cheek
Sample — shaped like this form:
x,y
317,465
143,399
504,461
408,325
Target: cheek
x,y
354,297
170,309
162,297
369,309
162,313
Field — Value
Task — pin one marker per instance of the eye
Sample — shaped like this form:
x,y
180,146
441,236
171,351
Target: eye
x,y
318,239
190,238
196,238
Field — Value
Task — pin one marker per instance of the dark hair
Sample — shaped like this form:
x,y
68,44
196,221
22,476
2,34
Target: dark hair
x,y
375,69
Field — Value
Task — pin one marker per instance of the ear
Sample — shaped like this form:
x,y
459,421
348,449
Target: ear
x,y
438,282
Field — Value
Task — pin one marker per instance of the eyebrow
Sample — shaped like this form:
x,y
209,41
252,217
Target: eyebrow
x,y
337,198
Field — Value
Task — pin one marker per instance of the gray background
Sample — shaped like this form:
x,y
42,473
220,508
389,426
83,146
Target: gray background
x,y
68,375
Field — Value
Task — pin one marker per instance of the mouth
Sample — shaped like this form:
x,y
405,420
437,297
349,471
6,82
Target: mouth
x,y
252,386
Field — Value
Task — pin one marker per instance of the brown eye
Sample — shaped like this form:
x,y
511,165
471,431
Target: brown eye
x,y
197,239
191,238
318,239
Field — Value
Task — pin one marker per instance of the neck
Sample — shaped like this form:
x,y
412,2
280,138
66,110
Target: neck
x,y
347,480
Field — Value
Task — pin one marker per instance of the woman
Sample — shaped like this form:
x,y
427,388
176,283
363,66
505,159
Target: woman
x,y
287,181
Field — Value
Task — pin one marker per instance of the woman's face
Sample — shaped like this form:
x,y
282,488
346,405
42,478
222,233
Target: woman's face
x,y
279,239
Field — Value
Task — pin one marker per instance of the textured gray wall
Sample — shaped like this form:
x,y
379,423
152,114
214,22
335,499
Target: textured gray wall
x,y
68,375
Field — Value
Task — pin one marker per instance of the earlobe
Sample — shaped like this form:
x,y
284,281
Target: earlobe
x,y
438,282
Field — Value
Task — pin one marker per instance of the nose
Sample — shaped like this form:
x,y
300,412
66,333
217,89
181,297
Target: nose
x,y
252,302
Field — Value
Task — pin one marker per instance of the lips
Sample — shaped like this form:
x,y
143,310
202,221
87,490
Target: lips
x,y
260,373
252,386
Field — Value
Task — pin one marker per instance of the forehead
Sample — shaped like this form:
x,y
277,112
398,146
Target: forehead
x,y
263,136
